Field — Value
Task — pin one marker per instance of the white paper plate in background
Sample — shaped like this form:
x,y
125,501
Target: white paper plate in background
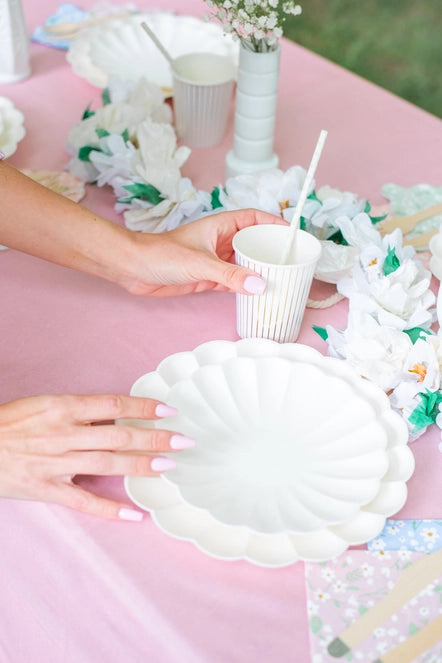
x,y
121,48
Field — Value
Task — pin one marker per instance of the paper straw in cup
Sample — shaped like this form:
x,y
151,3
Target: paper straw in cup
x,y
278,313
202,94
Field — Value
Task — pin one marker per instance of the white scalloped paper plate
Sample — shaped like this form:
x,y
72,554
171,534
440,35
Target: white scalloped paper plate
x,y
121,48
297,457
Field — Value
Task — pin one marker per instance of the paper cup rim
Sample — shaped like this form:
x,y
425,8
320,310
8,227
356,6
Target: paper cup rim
x,y
278,228
214,56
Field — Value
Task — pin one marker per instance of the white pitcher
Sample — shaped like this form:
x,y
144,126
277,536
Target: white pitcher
x,y
14,42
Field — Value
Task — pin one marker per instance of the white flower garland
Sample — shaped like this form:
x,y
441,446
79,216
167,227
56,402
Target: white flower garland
x,y
129,144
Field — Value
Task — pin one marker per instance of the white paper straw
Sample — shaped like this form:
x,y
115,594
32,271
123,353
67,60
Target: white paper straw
x,y
158,44
304,193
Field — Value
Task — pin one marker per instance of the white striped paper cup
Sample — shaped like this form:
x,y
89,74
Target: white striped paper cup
x,y
278,313
202,94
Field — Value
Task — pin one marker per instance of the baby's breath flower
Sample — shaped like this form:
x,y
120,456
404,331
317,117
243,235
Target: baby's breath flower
x,y
258,24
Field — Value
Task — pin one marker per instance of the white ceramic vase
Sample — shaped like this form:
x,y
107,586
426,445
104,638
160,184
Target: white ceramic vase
x,y
256,100
14,42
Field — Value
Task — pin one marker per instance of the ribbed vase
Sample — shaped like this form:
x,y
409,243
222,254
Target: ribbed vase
x,y
255,113
14,42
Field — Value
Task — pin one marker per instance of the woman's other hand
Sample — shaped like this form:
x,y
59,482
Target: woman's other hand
x,y
45,441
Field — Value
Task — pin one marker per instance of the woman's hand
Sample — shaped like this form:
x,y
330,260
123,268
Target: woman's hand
x,y
194,257
46,440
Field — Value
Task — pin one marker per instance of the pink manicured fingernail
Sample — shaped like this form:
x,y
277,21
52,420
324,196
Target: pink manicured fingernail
x,y
161,464
163,410
130,514
254,285
182,442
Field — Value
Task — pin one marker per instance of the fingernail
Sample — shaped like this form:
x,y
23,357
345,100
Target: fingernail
x,y
130,514
182,442
163,410
162,464
254,285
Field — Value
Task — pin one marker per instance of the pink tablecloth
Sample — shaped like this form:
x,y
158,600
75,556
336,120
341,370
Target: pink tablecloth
x,y
76,588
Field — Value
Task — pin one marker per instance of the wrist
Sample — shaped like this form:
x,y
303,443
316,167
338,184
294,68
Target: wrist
x,y
131,269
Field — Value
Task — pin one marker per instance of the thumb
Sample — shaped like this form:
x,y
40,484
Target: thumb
x,y
236,278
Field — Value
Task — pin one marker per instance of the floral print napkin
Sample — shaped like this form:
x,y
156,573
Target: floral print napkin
x,y
417,535
341,590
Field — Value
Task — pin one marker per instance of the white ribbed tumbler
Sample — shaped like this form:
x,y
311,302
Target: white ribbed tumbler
x,y
278,313
202,93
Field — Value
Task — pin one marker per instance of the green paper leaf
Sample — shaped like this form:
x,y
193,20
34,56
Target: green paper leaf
x,y
377,219
321,331
391,262
362,609
105,97
426,412
87,113
313,196
416,333
125,136
214,200
315,624
102,133
144,192
85,151
338,238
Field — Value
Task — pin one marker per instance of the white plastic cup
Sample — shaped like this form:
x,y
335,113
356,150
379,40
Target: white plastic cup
x,y
278,313
202,94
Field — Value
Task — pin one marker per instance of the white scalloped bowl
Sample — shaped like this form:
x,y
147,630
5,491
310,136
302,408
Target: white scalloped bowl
x,y
121,48
297,457
11,127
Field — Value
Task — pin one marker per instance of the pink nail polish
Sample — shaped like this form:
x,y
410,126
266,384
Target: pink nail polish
x,y
254,285
162,464
163,410
182,442
130,514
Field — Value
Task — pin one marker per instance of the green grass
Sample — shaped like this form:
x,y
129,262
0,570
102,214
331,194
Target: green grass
x,y
394,43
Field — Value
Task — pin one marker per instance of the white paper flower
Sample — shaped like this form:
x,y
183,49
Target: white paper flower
x,y
400,298
159,158
335,262
320,217
421,372
130,106
167,215
11,127
270,191
376,352
114,162
146,98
